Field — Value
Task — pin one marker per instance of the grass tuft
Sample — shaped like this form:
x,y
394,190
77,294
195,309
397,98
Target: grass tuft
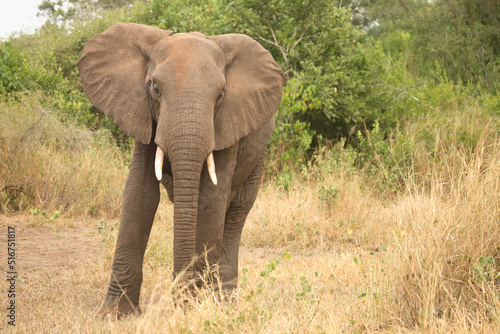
x,y
47,165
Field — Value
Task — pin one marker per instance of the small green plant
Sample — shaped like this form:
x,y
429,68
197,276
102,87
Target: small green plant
x,y
305,288
286,179
486,270
271,266
266,274
44,214
328,194
105,231
244,277
304,232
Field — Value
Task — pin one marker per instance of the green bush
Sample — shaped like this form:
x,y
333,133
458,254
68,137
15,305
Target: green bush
x,y
55,50
292,138
18,72
333,66
461,37
345,86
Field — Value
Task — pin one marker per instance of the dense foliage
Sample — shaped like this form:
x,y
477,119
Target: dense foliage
x,y
348,77
458,37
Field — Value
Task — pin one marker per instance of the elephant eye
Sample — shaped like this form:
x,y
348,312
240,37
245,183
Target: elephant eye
x,y
156,90
220,96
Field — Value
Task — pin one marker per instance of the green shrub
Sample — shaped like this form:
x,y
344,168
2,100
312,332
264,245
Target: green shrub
x,y
344,86
333,66
55,50
18,72
292,138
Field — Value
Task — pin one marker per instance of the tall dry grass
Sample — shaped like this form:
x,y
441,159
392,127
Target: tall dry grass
x,y
447,236
51,166
329,249
439,237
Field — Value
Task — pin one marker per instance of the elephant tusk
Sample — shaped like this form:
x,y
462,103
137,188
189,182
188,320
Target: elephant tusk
x,y
211,168
159,163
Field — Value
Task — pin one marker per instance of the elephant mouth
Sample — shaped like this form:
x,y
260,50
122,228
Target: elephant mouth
x,y
160,156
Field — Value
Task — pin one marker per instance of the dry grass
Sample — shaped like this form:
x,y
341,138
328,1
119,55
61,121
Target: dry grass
x,y
51,166
447,240
330,254
300,218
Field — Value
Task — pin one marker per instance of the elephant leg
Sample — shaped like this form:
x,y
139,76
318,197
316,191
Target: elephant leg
x,y
140,202
235,220
213,201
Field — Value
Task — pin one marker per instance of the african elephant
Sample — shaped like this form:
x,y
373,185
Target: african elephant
x,y
201,111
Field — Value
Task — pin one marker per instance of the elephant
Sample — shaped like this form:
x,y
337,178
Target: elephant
x,y
201,111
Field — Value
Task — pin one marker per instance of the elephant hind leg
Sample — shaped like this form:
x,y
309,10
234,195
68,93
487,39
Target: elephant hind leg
x,y
235,220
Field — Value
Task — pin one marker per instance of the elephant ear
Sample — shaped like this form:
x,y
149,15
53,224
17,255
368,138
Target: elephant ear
x,y
113,69
254,84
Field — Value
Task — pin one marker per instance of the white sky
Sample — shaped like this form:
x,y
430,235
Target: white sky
x,y
17,15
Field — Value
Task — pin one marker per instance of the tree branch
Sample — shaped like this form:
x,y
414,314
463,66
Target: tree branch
x,y
275,43
282,49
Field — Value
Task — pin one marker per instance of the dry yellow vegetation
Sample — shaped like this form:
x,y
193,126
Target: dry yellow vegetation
x,y
330,254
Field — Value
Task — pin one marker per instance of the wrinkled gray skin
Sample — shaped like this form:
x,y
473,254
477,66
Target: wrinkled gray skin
x,y
207,94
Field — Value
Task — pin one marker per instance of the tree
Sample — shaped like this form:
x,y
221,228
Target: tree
x,y
60,11
458,38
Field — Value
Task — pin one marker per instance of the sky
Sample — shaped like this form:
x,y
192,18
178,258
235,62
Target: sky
x,y
16,15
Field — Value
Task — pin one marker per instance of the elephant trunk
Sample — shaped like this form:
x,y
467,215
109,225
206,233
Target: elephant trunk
x,y
186,174
189,143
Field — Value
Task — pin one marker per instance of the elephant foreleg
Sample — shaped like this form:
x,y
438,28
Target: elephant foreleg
x,y
235,220
211,212
140,202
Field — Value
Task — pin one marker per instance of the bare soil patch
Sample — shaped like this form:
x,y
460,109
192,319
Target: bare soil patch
x,y
50,247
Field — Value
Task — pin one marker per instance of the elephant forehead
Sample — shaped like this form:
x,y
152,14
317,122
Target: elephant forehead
x,y
189,48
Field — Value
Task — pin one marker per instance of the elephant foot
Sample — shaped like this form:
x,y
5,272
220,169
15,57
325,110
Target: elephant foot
x,y
226,294
118,307
185,293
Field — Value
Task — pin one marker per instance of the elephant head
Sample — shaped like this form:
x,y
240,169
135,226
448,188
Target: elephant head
x,y
189,93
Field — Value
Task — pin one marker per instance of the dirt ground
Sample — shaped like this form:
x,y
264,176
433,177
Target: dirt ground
x,y
63,269
47,247
69,244
51,257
